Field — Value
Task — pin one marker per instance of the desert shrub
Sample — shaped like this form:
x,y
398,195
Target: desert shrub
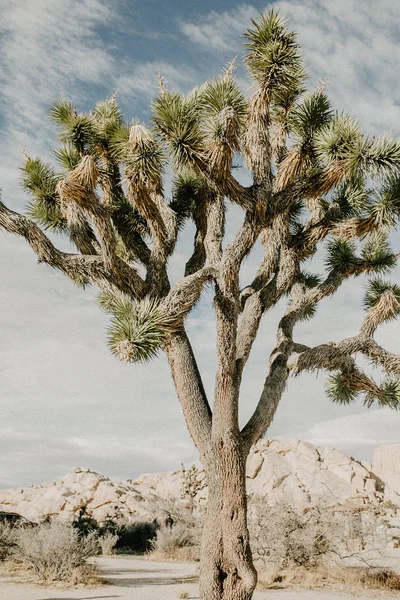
x,y
107,543
287,537
351,577
177,542
179,533
7,540
85,523
54,550
136,537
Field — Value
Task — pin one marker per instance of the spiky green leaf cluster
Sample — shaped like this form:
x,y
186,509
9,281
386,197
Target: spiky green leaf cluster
x,y
389,394
273,56
223,112
40,180
337,144
385,210
176,119
376,288
310,116
351,199
342,388
143,157
137,330
377,253
189,190
341,256
310,280
339,389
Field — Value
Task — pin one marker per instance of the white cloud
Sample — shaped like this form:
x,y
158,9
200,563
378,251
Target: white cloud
x,y
220,31
358,434
354,43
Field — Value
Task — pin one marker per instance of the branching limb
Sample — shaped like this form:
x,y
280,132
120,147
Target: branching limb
x,y
190,390
80,268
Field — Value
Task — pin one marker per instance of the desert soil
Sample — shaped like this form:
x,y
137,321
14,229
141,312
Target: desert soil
x,y
137,579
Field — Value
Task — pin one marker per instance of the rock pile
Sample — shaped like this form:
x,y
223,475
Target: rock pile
x,y
295,473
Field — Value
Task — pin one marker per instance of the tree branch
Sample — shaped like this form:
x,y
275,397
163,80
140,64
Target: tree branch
x,y
78,267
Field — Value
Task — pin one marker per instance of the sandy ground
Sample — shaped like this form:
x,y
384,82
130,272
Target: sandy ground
x,y
138,579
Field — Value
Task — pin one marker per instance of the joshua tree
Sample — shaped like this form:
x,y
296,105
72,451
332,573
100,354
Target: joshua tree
x,y
318,185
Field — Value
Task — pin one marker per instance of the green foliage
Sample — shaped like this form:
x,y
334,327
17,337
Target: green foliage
x,y
108,118
389,394
377,253
310,116
223,111
340,390
337,144
177,122
80,132
63,112
189,189
376,288
67,156
381,156
40,181
137,330
385,211
341,256
310,280
351,199
143,157
273,56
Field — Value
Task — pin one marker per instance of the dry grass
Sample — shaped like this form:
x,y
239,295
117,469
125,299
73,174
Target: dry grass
x,y
272,577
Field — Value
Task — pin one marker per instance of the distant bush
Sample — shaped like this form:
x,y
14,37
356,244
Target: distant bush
x,y
7,540
55,551
286,537
107,543
136,537
178,542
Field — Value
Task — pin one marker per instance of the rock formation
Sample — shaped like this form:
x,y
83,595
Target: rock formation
x,y
282,472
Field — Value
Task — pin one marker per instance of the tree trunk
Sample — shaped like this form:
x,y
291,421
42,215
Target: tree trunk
x,y
226,570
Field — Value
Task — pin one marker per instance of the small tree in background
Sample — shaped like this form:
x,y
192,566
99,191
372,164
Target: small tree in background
x,y
317,182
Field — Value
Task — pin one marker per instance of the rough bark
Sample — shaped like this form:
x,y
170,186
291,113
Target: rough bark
x,y
227,570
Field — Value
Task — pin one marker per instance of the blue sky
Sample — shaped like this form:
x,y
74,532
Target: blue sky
x,y
64,400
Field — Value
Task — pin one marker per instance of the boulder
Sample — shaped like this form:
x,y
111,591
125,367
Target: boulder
x,y
253,465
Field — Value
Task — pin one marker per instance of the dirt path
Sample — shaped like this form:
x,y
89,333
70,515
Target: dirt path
x,y
136,579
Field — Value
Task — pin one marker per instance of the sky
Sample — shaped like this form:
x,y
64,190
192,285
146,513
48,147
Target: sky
x,y
64,400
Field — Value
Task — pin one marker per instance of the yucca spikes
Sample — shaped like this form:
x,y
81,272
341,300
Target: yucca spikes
x,y
345,388
40,181
376,288
223,110
340,391
80,132
137,330
108,119
352,199
382,301
311,115
273,56
380,157
63,113
177,122
377,253
188,190
337,148
385,211
143,157
341,256
67,156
